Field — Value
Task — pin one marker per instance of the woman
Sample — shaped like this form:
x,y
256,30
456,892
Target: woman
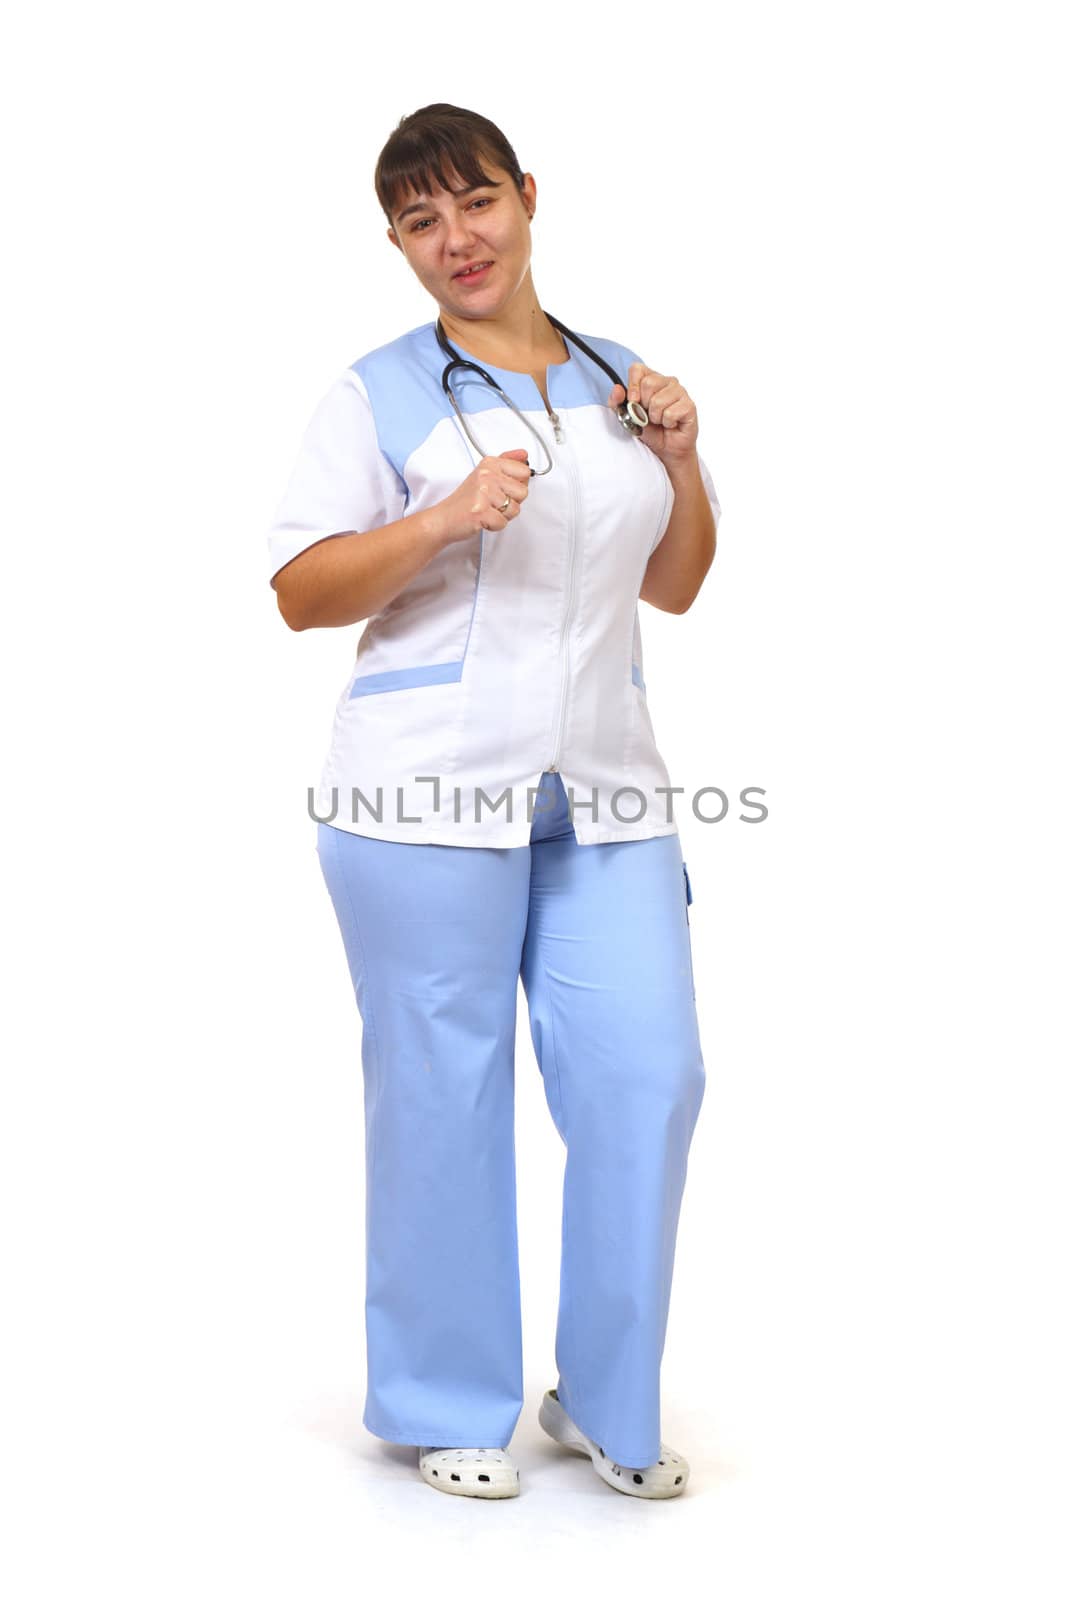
x,y
497,537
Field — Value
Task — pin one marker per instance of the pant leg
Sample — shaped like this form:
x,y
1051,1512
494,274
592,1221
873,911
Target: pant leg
x,y
433,935
607,969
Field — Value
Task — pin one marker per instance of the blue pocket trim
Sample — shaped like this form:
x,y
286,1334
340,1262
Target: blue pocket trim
x,y
636,675
407,678
688,886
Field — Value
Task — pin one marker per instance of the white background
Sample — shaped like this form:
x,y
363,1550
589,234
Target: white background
x,y
841,227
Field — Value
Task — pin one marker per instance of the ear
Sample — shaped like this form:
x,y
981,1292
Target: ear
x,y
390,234
529,193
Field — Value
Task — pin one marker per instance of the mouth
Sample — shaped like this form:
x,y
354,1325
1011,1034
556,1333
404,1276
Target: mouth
x,y
475,273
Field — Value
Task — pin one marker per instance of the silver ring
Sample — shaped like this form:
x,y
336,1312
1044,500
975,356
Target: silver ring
x,y
504,507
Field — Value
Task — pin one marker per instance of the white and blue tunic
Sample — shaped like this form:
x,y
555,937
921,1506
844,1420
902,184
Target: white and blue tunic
x,y
511,653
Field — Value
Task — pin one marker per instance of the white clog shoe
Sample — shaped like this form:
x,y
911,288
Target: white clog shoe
x,y
659,1481
489,1473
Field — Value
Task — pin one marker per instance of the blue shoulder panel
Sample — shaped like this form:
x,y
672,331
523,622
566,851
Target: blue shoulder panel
x,y
405,392
403,380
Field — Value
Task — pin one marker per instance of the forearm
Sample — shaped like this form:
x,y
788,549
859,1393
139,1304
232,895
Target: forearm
x,y
680,562
348,577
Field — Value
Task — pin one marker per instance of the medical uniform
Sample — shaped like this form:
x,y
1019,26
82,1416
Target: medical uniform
x,y
503,682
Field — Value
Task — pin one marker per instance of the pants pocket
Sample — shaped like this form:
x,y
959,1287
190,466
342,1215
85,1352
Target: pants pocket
x,y
689,931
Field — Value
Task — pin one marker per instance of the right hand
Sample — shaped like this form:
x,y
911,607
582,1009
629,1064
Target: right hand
x,y
475,504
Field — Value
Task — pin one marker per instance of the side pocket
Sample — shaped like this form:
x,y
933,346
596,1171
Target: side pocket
x,y
393,638
689,931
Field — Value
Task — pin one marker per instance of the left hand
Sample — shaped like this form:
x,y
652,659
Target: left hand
x,y
672,416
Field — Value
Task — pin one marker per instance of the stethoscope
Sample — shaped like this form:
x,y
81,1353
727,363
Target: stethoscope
x,y
631,413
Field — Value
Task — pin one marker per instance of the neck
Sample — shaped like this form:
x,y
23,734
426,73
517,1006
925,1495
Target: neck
x,y
518,335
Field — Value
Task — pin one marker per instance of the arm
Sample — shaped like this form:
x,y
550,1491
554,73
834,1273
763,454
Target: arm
x,y
346,577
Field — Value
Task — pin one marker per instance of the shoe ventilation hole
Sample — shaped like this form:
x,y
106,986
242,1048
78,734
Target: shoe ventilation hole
x,y
678,1479
638,1478
483,1477
455,1477
435,1472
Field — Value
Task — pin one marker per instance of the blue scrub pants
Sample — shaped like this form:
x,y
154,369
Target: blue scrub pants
x,y
437,937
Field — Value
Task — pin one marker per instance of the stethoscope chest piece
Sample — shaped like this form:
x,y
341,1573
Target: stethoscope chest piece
x,y
632,415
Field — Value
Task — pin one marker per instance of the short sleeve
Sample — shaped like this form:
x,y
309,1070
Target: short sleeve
x,y
709,486
341,483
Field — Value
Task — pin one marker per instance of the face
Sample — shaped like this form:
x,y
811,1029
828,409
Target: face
x,y
440,234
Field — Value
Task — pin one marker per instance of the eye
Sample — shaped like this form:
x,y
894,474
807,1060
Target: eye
x,y
417,226
484,201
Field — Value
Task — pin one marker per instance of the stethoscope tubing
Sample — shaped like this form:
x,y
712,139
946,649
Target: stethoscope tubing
x,y
630,413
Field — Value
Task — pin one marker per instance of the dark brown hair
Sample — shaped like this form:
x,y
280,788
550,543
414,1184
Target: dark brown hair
x,y
437,142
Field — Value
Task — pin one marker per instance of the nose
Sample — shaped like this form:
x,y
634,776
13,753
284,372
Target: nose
x,y
460,235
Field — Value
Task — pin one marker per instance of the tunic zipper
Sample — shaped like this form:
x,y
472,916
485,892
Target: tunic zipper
x,y
572,479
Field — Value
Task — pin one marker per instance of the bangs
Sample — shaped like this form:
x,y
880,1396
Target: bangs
x,y
419,157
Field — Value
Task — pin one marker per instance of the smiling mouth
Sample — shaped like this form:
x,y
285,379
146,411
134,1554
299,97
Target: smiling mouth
x,y
475,266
